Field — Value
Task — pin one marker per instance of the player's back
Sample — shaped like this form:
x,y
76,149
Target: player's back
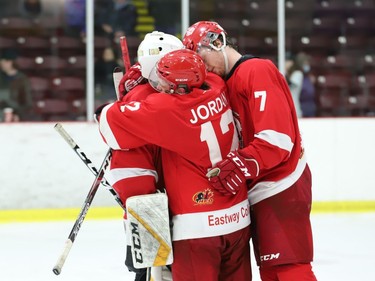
x,y
205,133
195,131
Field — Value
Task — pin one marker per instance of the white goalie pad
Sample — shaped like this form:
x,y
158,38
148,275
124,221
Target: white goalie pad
x,y
148,226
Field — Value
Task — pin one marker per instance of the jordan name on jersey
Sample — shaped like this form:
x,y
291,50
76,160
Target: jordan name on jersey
x,y
204,111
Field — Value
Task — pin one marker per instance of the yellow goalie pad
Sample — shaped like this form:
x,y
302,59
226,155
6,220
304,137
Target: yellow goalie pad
x,y
148,226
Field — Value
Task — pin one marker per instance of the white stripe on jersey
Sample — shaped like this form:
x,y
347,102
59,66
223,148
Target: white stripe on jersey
x,y
265,189
280,140
105,129
115,175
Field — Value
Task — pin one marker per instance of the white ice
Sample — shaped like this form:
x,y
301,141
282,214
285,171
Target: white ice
x,y
344,250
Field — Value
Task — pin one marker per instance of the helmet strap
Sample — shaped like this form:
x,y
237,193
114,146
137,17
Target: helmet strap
x,y
226,64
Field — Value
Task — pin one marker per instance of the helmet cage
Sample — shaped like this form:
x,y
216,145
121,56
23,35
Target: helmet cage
x,y
209,41
160,83
204,34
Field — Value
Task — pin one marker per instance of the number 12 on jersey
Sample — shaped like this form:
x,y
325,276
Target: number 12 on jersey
x,y
212,138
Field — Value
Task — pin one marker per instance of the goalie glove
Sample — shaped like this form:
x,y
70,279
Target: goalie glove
x,y
98,112
131,79
231,174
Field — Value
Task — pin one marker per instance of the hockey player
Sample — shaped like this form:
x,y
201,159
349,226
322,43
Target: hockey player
x,y
271,159
192,122
138,171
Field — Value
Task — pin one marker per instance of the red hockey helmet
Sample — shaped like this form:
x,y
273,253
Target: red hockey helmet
x,y
178,72
204,33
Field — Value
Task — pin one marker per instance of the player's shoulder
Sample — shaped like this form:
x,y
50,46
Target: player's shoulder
x,y
161,101
257,62
214,81
256,66
139,93
214,77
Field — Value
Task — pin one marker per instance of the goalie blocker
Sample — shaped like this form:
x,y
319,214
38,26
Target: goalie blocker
x,y
148,226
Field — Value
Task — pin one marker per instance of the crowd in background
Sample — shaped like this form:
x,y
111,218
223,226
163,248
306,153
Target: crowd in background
x,y
65,19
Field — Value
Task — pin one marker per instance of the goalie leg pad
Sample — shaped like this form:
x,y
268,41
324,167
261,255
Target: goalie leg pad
x,y
148,225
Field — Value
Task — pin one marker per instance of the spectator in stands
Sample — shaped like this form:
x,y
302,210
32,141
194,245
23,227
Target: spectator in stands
x,y
75,17
31,8
15,90
307,97
104,87
119,19
301,84
294,76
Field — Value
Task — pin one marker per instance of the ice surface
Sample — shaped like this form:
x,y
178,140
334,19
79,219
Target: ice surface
x,y
344,250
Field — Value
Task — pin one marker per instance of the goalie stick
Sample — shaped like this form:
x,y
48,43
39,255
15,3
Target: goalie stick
x,y
98,179
117,72
77,225
125,52
126,60
59,128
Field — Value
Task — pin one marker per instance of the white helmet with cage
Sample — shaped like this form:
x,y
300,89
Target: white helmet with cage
x,y
154,46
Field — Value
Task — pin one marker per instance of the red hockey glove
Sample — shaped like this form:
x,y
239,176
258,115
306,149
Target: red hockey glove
x,y
230,174
131,79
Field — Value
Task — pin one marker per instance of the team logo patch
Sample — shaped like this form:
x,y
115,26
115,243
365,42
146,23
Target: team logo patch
x,y
203,197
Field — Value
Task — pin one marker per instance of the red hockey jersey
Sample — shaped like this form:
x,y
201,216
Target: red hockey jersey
x,y
195,131
261,100
136,171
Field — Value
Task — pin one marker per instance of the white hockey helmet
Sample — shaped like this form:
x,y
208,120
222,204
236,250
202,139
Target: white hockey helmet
x,y
154,46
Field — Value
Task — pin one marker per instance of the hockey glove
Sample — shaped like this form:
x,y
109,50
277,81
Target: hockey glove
x,y
231,174
98,111
131,79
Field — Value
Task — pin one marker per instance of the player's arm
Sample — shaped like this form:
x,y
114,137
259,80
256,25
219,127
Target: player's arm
x,y
129,125
130,80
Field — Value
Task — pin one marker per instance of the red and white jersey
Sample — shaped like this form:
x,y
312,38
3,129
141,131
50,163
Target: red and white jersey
x,y
261,100
195,131
135,171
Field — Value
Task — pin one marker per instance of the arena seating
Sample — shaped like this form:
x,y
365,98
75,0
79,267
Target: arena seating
x,y
338,34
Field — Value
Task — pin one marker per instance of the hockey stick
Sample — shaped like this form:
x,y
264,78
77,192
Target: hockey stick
x,y
117,73
77,225
126,60
59,128
98,179
125,52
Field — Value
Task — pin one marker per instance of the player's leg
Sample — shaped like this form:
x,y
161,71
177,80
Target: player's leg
x,y
132,173
236,264
225,257
197,259
281,228
295,272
